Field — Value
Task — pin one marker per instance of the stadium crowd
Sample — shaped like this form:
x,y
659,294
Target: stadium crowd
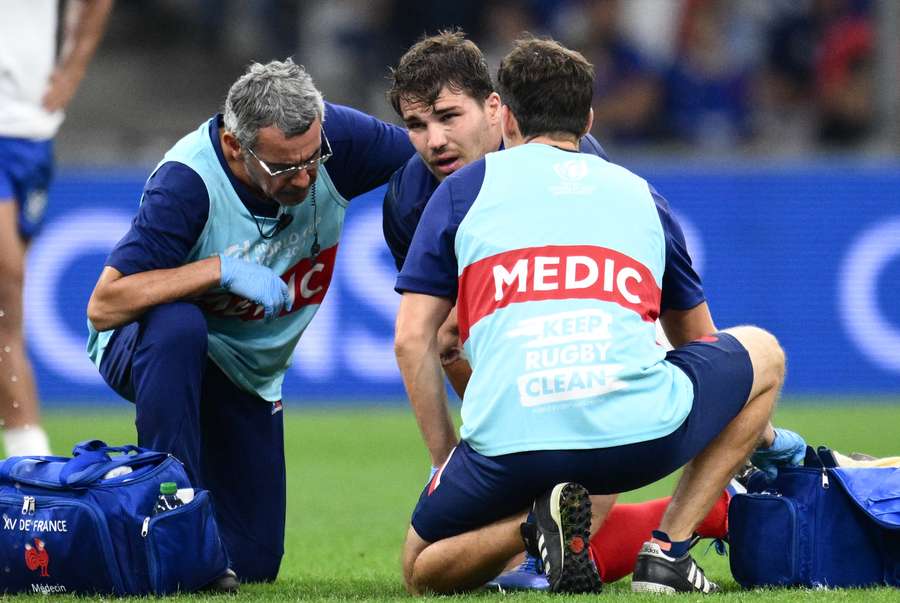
x,y
699,76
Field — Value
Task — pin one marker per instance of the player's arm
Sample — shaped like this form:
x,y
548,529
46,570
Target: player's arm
x,y
366,150
416,346
149,265
685,326
83,27
429,282
396,224
684,313
118,299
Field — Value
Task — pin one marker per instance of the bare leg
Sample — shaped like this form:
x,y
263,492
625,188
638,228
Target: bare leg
x,y
461,562
705,476
18,397
600,507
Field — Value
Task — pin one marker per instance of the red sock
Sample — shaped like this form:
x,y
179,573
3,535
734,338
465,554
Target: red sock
x,y
615,546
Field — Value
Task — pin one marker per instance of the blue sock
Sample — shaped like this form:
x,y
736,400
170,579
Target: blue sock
x,y
676,548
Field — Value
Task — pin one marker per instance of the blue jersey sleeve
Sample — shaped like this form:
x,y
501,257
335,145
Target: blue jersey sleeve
x,y
398,230
681,286
404,202
431,266
173,212
589,144
366,151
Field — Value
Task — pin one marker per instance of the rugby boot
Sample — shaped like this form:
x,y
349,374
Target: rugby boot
x,y
656,572
562,518
529,575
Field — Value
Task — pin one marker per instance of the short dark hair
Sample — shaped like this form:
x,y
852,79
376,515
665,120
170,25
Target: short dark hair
x,y
448,59
548,87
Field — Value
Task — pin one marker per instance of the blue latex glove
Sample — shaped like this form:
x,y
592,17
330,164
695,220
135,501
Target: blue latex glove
x,y
788,450
256,283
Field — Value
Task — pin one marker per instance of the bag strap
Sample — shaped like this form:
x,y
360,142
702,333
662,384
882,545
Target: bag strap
x,y
88,446
91,460
7,467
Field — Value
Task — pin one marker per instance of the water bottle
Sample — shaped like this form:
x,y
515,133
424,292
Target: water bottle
x,y
167,499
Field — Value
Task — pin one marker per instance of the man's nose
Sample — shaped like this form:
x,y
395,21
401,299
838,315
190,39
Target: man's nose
x,y
437,137
302,178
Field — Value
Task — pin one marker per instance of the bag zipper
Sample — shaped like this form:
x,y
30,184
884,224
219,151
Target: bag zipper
x,y
28,505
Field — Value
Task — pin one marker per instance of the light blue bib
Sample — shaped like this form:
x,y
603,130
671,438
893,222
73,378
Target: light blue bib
x,y
561,259
255,354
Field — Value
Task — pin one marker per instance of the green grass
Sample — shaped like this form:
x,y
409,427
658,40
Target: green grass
x,y
354,475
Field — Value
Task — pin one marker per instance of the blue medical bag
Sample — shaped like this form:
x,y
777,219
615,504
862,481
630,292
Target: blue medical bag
x,y
86,525
818,525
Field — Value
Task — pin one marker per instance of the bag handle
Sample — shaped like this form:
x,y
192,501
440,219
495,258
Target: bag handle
x,y
82,469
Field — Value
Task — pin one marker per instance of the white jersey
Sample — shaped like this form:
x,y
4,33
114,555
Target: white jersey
x,y
27,57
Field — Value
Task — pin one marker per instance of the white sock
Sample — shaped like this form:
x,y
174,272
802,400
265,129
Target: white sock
x,y
26,441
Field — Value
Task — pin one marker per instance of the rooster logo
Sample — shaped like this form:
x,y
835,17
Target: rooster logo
x,y
37,557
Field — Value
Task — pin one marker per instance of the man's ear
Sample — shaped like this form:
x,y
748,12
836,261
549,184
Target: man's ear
x,y
232,148
509,126
492,106
590,123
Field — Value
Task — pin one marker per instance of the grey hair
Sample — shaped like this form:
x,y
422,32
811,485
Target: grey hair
x,y
280,94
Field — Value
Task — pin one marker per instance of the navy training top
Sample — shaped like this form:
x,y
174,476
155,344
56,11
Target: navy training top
x,y
175,205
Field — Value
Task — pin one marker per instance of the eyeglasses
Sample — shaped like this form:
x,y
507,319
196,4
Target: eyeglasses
x,y
274,170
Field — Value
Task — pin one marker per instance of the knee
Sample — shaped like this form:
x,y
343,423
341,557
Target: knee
x,y
773,362
176,326
415,582
414,586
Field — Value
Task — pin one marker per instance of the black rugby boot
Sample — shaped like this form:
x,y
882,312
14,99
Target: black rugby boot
x,y
562,519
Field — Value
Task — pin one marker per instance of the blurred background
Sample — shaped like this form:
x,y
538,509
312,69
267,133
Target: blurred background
x,y
772,127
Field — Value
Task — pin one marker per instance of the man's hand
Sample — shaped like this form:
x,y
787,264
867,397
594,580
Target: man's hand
x,y
787,450
256,283
62,87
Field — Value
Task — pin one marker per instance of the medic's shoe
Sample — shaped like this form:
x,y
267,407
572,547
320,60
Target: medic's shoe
x,y
656,572
563,521
528,576
227,583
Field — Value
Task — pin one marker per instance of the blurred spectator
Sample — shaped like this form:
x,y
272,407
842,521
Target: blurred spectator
x,y
708,85
817,84
844,75
411,19
628,90
503,22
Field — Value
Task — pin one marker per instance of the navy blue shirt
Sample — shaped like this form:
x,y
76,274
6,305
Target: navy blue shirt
x,y
431,266
408,192
175,206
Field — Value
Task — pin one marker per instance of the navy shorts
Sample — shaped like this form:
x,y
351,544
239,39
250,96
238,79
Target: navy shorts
x,y
26,167
472,490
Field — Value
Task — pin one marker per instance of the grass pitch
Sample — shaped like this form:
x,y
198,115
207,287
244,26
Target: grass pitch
x,y
355,473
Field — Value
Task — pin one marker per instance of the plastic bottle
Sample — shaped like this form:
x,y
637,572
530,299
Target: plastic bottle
x,y
167,499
